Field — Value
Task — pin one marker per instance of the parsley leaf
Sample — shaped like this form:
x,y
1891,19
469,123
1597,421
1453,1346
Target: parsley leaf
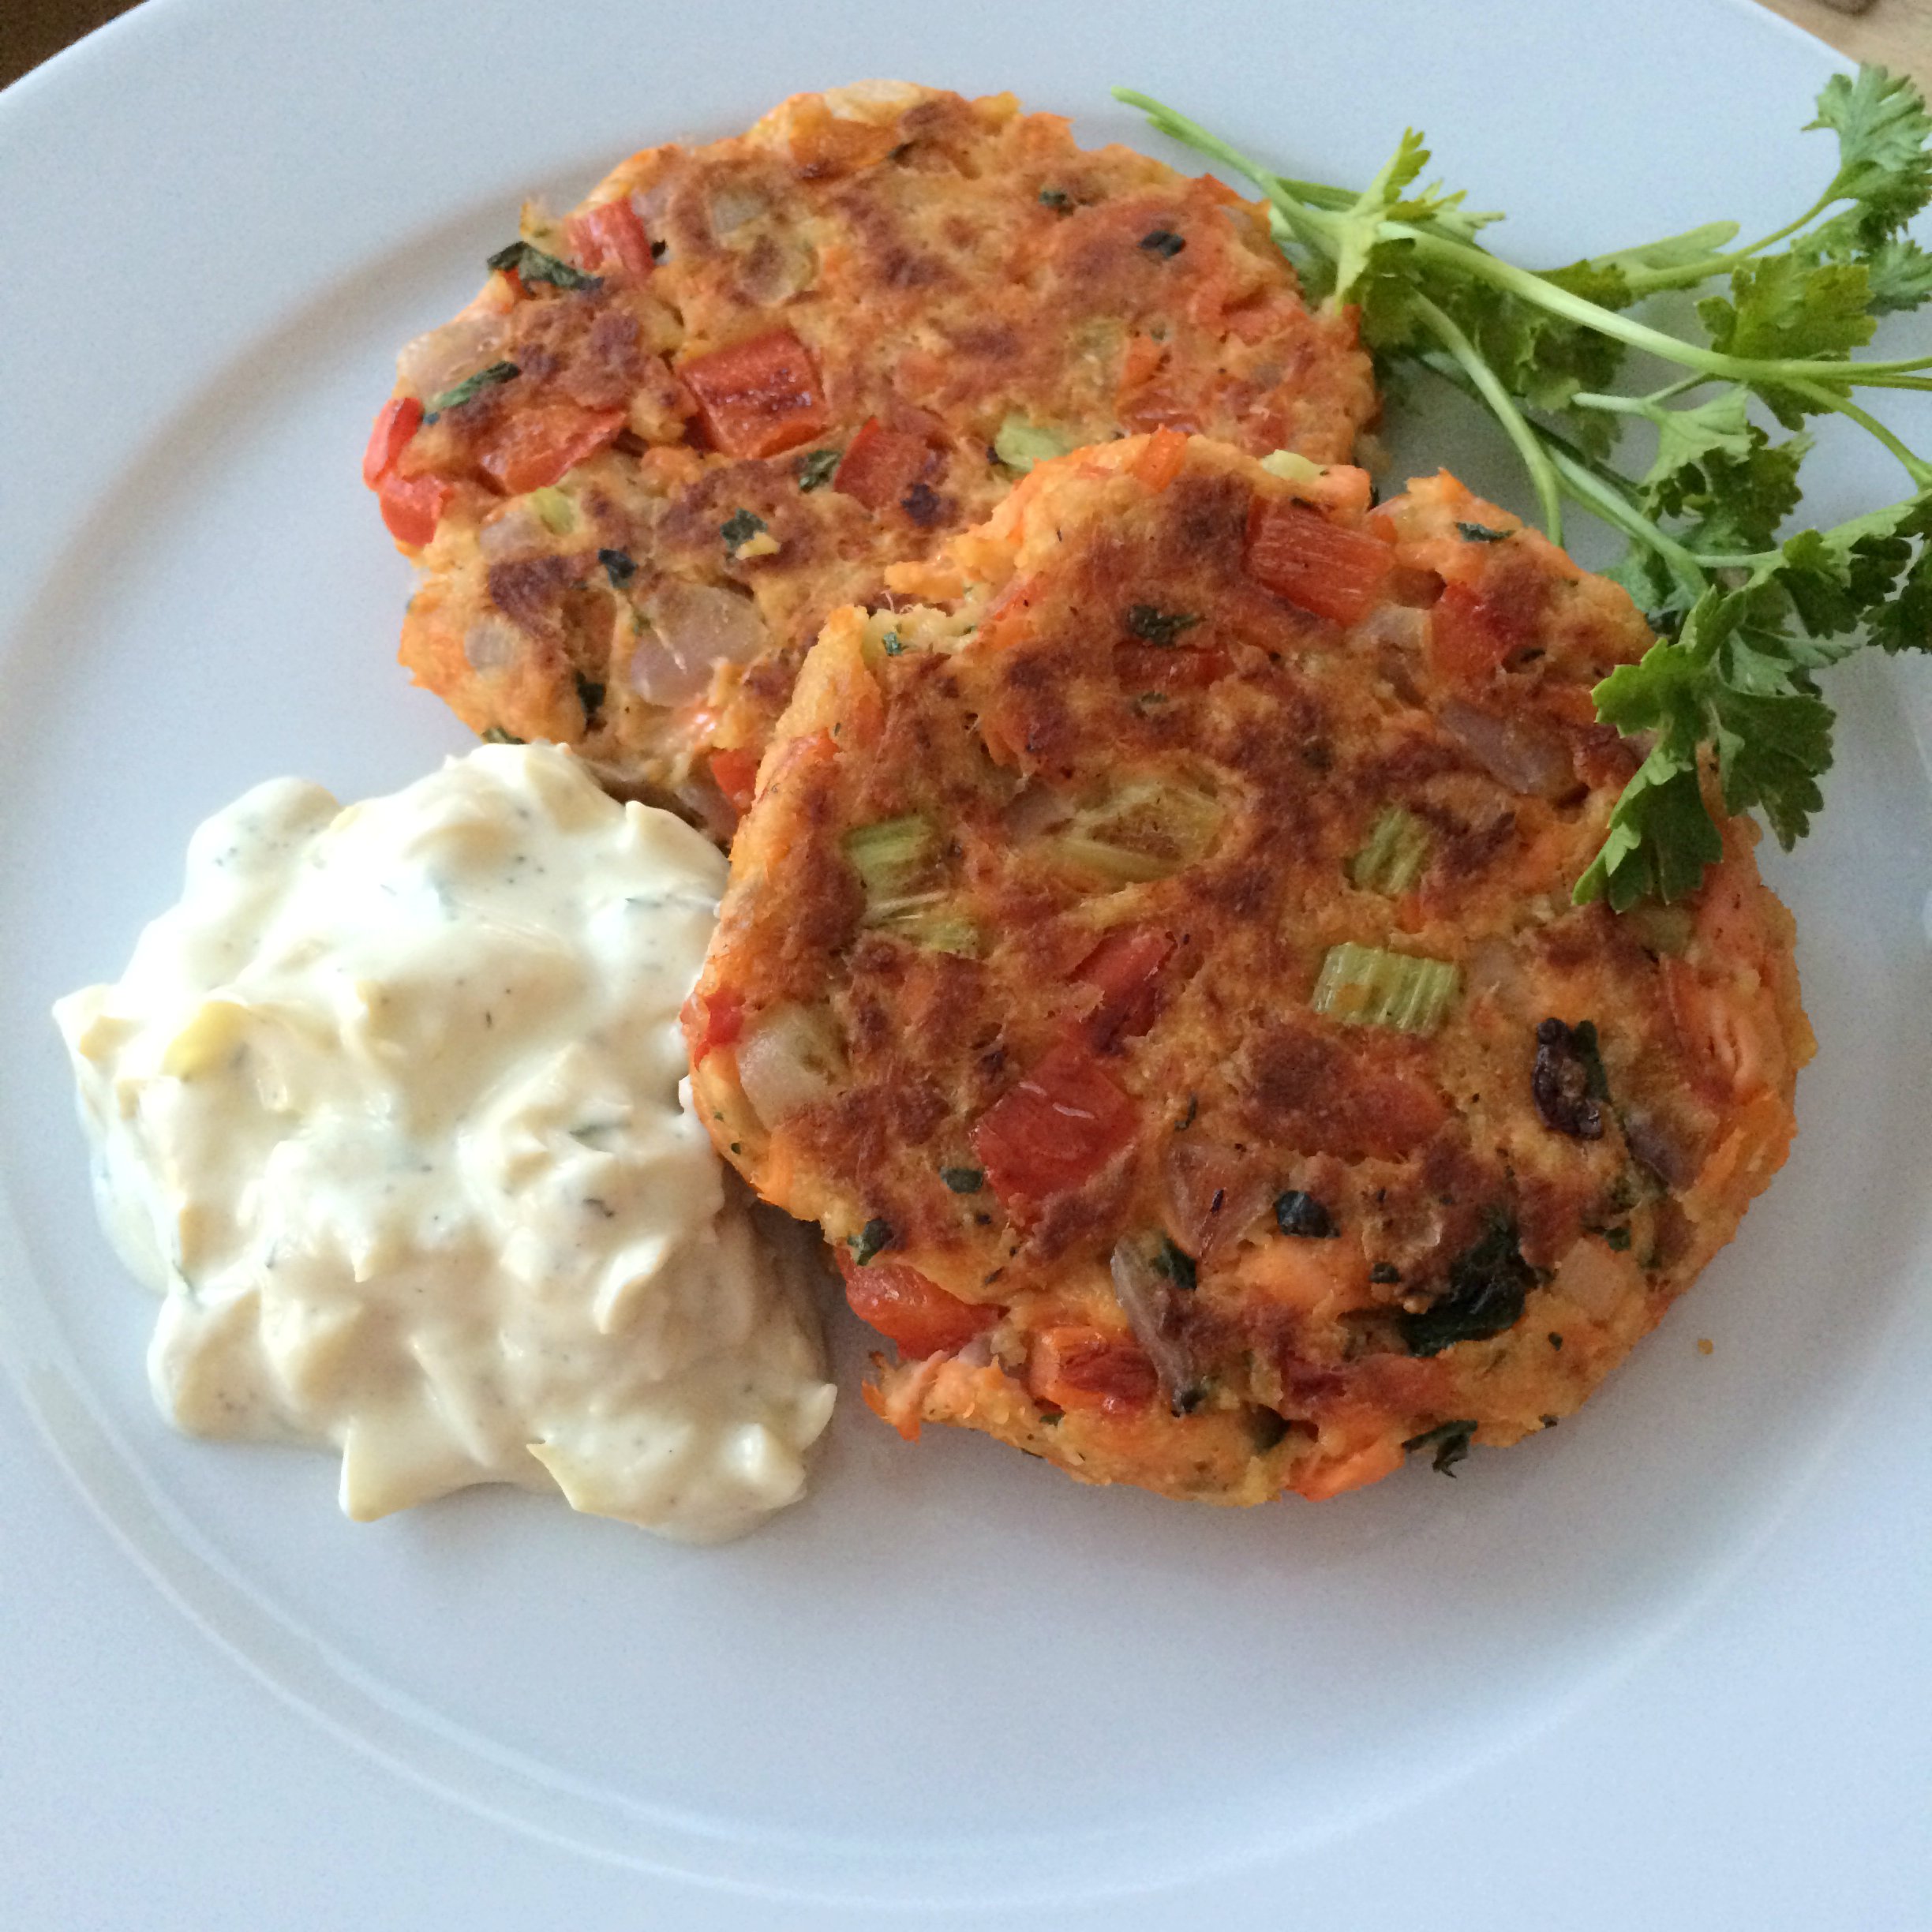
x,y
740,527
470,386
1153,625
529,263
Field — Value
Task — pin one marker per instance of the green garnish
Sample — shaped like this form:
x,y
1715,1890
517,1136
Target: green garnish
x,y
892,643
1163,242
1176,1263
619,566
1021,443
590,695
1617,1239
1155,625
1751,620
1058,198
529,263
1394,856
815,469
1369,985
964,1180
1451,1442
740,527
1480,532
470,386
875,1235
495,734
1488,1284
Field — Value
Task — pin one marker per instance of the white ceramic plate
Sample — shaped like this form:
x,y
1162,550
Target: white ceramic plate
x,y
1666,1668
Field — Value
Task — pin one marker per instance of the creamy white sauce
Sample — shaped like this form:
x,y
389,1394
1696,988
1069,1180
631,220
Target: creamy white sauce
x,y
392,1109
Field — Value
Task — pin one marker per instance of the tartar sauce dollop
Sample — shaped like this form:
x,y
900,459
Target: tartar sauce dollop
x,y
393,1109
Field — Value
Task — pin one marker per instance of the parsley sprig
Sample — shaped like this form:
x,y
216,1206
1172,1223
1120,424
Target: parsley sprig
x,y
1746,618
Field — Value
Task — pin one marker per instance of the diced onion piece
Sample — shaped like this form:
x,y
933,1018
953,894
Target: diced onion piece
x,y
1526,754
492,642
1146,1291
789,1060
694,628
1021,442
1394,856
1369,985
434,362
516,530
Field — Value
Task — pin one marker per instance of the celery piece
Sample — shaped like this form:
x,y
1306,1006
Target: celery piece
x,y
1114,865
1369,985
557,512
1393,858
1021,443
1292,468
935,931
897,861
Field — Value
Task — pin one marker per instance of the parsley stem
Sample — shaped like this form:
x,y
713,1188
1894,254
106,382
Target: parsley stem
x,y
1536,459
1916,467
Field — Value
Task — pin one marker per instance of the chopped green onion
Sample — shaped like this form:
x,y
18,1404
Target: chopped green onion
x,y
557,511
1393,860
1369,985
1021,443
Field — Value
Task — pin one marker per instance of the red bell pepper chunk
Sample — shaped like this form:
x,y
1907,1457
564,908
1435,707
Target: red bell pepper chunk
x,y
735,771
1055,1130
881,465
711,1020
1078,1368
611,238
758,398
1125,969
915,1314
1474,627
1316,565
412,506
396,421
533,447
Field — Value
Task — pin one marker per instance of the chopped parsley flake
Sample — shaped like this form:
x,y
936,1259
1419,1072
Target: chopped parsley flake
x,y
1451,1442
1154,626
471,386
1058,198
1163,242
964,1180
875,1235
495,734
1480,532
740,527
815,469
892,643
619,566
529,263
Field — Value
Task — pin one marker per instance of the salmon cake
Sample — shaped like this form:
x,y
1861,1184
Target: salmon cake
x,y
1152,962
679,427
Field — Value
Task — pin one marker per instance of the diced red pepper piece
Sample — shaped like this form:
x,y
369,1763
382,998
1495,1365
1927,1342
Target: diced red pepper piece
x,y
610,238
533,448
914,1313
396,421
711,1020
1078,1368
1316,565
1125,969
735,771
758,398
1169,667
1474,627
1159,463
1055,1130
881,465
412,506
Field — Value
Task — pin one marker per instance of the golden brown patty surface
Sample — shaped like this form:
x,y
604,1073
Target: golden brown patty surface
x,y
1153,963
680,427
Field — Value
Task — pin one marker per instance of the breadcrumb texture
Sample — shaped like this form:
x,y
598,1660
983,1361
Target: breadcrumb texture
x,y
823,328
